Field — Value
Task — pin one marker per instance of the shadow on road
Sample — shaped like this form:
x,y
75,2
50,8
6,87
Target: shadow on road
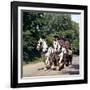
x,y
74,69
75,66
73,72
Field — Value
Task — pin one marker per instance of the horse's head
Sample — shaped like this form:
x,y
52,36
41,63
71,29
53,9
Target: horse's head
x,y
61,41
39,44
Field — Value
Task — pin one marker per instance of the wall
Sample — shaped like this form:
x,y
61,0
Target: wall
x,y
5,45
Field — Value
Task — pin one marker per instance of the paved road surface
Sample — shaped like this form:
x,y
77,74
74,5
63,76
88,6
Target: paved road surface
x,y
37,69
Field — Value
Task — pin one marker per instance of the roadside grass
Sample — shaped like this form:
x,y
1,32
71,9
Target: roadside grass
x,y
35,60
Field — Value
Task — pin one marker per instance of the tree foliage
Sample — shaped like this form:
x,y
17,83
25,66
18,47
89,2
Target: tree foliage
x,y
38,24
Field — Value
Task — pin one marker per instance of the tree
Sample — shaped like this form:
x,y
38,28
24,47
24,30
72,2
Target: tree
x,y
38,24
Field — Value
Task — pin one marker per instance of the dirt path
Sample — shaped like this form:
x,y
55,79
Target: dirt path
x,y
37,69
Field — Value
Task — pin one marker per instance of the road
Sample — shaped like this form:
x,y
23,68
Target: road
x,y
37,69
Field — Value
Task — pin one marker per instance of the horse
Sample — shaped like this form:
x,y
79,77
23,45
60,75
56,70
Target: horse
x,y
46,51
56,58
58,55
62,52
64,56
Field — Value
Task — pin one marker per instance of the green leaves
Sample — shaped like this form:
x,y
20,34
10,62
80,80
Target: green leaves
x,y
38,24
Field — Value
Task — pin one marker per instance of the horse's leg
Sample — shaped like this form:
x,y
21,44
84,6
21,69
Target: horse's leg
x,y
70,59
52,66
47,63
61,62
60,57
57,67
70,56
61,66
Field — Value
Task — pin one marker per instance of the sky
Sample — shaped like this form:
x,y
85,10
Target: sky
x,y
76,17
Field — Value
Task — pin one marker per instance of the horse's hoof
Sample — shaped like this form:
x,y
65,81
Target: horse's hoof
x,y
61,67
65,66
52,67
45,69
70,66
57,68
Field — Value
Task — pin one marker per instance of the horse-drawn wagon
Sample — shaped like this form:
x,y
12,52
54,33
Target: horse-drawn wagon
x,y
58,55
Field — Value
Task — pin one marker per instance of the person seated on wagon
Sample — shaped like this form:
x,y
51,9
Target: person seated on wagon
x,y
69,52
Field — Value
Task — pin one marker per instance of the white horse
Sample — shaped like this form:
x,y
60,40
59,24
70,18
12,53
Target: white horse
x,y
46,51
63,51
58,47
